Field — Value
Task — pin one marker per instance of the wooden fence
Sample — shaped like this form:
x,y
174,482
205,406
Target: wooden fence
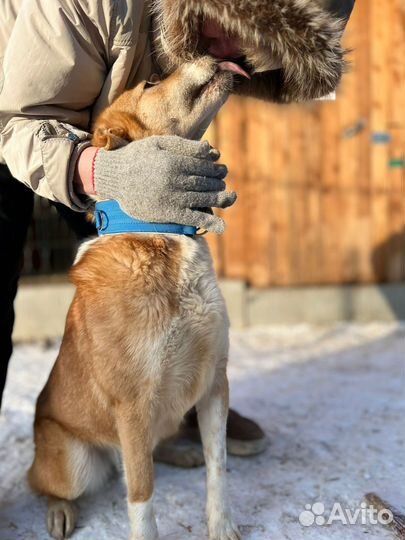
x,y
322,186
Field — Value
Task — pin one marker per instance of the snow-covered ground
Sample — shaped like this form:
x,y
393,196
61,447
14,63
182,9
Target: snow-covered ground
x,y
331,400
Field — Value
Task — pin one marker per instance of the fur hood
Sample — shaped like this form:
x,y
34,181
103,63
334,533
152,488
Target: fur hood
x,y
302,36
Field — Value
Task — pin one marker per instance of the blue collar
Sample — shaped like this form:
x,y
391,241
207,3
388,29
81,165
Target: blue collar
x,y
110,219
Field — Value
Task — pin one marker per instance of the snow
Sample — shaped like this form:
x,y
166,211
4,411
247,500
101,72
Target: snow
x,y
331,400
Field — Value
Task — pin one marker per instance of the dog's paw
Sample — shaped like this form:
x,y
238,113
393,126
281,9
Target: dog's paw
x,y
225,529
61,519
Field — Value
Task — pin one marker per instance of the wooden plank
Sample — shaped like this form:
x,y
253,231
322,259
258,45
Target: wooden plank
x,y
351,243
231,140
297,193
330,204
395,252
311,233
361,68
259,246
280,210
379,82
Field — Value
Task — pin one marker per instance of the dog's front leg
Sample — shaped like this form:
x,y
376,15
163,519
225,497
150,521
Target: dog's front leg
x,y
212,414
135,438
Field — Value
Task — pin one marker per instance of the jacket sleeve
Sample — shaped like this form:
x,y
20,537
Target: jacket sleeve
x,y
54,68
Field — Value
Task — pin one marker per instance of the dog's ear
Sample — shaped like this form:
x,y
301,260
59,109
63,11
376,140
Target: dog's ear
x,y
116,127
110,138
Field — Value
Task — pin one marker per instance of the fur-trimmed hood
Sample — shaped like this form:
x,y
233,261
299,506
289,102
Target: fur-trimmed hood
x,y
302,36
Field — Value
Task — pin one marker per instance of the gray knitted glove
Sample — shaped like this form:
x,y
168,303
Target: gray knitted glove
x,y
165,180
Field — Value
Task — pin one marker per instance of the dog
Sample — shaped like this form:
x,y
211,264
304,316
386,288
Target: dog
x,y
146,336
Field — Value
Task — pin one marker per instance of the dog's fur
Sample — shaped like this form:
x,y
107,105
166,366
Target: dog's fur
x,y
303,36
146,338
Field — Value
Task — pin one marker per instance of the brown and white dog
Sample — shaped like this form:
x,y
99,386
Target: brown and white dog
x,y
146,338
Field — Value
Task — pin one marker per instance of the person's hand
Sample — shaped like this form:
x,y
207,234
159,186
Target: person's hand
x,y
165,179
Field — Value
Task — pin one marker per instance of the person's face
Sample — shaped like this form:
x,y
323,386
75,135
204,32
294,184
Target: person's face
x,y
215,42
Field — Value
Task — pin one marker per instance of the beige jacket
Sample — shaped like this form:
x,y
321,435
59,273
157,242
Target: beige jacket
x,y
61,63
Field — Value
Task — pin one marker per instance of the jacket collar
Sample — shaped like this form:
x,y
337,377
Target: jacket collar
x,y
304,36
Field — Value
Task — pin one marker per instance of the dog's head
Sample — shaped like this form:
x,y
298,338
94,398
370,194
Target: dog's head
x,y
184,104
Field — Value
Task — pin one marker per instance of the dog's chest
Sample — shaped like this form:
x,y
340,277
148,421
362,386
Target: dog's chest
x,y
198,338
200,299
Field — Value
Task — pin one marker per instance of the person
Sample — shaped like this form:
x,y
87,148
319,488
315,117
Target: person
x,y
63,62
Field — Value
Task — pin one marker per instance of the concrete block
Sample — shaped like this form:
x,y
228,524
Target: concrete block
x,y
234,292
323,305
41,307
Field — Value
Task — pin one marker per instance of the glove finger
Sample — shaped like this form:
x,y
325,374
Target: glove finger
x,y
189,166
186,147
202,220
223,199
203,183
